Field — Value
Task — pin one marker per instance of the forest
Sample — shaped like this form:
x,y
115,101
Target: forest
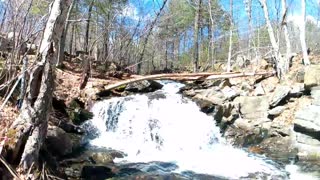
x,y
146,39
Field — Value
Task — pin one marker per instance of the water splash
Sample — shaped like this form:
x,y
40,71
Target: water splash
x,y
164,126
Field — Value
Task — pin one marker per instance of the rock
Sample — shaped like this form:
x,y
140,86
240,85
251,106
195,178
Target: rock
x,y
279,94
96,172
305,139
212,95
307,120
258,91
315,94
77,113
279,148
311,76
60,143
277,110
253,107
229,93
269,84
143,86
299,76
102,158
297,90
280,128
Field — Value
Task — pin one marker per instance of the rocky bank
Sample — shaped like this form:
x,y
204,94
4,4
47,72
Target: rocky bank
x,y
280,119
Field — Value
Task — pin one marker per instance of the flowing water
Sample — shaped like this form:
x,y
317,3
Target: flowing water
x,y
169,133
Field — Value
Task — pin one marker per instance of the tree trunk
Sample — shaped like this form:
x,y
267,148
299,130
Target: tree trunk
x,y
279,61
196,37
88,27
29,129
286,35
230,38
71,39
303,34
62,42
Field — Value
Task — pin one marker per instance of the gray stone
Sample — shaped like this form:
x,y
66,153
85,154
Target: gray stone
x,y
253,107
58,141
229,93
311,76
305,139
277,110
279,94
315,94
212,95
308,119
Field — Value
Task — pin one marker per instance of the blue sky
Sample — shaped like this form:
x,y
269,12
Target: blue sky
x,y
149,7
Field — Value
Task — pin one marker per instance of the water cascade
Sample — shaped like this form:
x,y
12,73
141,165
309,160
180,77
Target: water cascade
x,y
165,127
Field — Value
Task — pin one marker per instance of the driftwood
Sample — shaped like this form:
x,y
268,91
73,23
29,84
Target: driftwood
x,y
188,77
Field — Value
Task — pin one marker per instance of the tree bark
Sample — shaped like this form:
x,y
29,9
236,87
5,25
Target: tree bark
x,y
303,34
29,129
88,27
62,42
230,38
196,38
286,35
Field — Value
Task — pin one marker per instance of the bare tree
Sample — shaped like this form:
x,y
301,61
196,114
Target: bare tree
x,y
278,60
230,38
303,33
62,43
286,34
31,124
196,37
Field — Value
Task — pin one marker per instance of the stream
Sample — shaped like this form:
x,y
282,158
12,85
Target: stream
x,y
163,133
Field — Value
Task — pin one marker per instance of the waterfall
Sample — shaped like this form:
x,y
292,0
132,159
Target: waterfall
x,y
164,126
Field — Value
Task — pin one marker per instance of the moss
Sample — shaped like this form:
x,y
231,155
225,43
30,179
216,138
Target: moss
x,y
77,114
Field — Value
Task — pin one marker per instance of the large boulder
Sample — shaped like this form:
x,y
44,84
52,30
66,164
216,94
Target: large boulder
x,y
60,143
143,86
252,107
311,76
307,120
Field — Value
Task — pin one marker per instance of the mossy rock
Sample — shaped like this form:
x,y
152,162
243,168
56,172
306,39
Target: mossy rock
x,y
77,113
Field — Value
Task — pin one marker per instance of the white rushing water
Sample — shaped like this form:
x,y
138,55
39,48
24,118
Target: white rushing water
x,y
164,126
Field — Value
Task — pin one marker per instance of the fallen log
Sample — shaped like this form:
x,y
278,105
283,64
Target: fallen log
x,y
188,77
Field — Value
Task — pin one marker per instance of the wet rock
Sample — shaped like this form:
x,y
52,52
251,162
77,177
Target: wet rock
x,y
307,120
143,86
102,158
311,76
96,172
279,94
60,143
77,113
277,110
278,148
252,107
308,152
